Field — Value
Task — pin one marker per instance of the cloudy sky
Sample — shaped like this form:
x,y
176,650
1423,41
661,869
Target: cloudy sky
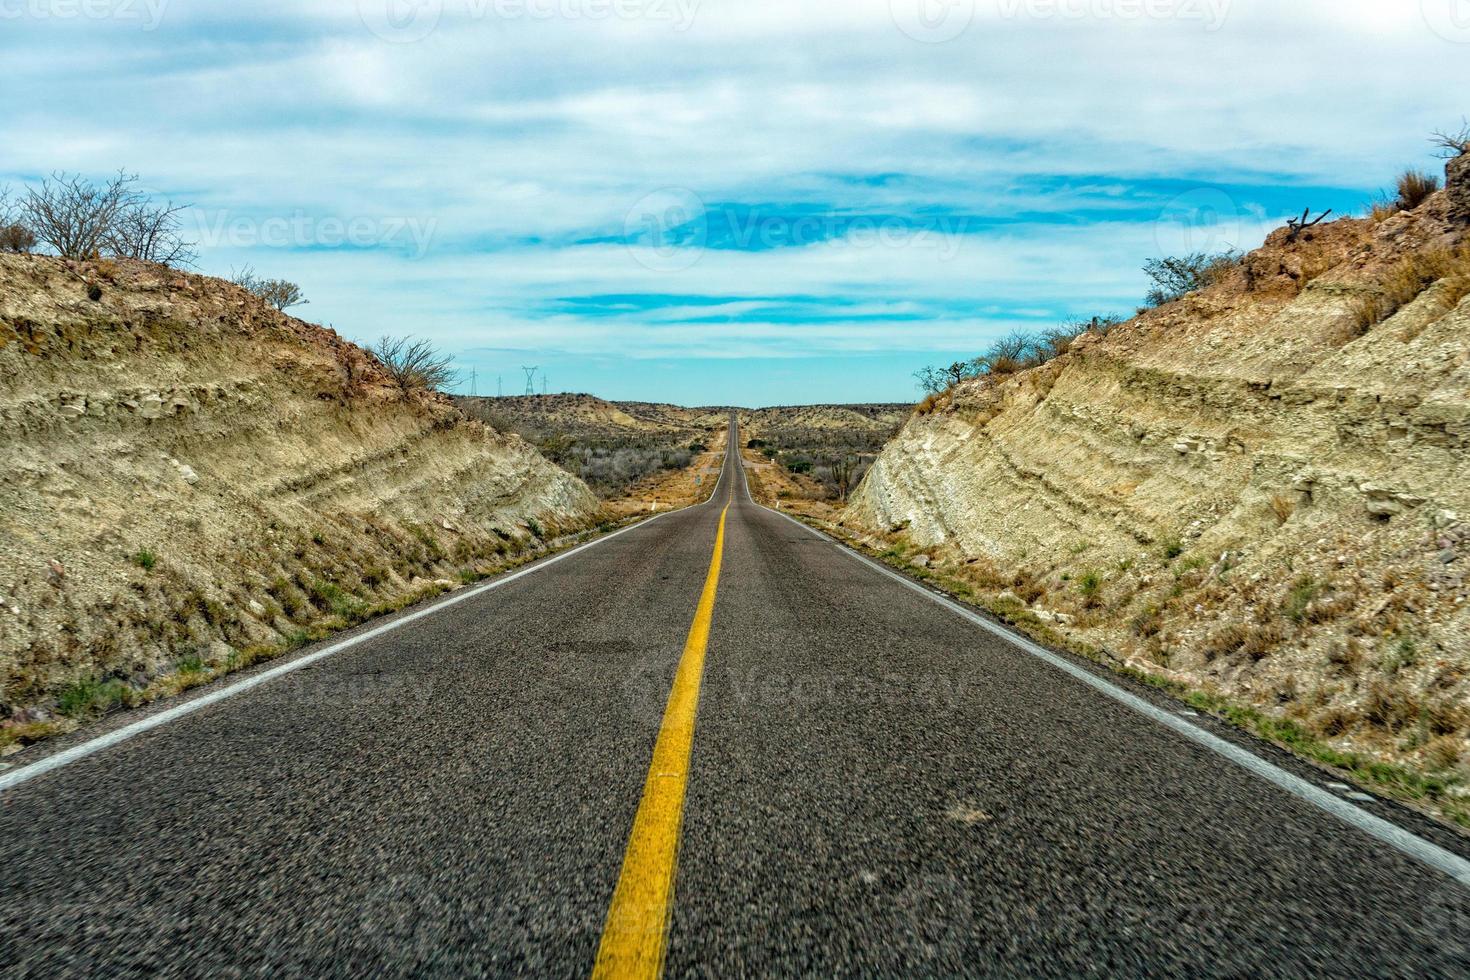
x,y
724,201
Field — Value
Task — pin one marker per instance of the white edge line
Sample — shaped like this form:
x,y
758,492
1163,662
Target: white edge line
x,y
1386,831
66,757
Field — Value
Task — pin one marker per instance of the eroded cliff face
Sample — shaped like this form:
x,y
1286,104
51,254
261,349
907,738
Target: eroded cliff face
x,y
1255,490
191,480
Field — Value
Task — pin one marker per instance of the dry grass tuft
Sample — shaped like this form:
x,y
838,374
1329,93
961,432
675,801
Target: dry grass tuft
x,y
1414,188
1283,507
1409,278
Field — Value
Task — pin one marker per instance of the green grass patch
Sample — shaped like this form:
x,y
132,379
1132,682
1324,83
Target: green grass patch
x,y
145,560
92,697
1302,593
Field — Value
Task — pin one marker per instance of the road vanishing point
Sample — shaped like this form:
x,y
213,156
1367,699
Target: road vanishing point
x,y
713,744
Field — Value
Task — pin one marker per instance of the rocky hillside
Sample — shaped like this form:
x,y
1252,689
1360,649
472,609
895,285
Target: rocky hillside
x,y
191,480
1260,491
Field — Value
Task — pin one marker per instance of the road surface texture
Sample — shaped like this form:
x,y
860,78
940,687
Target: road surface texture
x,y
876,786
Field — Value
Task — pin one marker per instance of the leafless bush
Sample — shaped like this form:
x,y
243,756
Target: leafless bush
x,y
74,216
415,365
1453,144
149,232
80,219
279,293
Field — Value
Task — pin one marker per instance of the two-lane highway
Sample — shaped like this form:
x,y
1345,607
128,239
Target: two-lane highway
x,y
518,783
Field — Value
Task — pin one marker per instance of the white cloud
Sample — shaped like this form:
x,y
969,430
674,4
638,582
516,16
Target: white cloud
x,y
504,129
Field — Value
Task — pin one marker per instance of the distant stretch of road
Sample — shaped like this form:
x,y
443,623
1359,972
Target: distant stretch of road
x,y
713,744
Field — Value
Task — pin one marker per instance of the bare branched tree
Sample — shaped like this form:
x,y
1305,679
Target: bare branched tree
x,y
79,219
279,293
74,216
415,364
149,232
1453,144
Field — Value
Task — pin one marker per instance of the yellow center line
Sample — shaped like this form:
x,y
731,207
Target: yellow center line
x,y
637,927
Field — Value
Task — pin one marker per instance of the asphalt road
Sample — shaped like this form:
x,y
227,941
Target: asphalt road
x,y
877,787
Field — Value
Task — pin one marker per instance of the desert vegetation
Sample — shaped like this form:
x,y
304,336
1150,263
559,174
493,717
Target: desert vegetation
x,y
1316,592
611,454
1018,350
835,460
281,294
347,499
73,217
415,364
77,218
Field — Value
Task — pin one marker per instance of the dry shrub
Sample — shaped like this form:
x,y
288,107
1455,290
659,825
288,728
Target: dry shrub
x,y
1408,279
982,573
1415,187
16,238
1147,623
1444,752
1336,720
1445,717
1224,642
1331,608
1261,640
415,365
1345,655
1283,507
927,406
1027,587
1391,707
1381,211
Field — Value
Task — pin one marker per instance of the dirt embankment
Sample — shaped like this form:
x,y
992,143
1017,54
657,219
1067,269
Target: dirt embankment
x,y
190,480
1260,492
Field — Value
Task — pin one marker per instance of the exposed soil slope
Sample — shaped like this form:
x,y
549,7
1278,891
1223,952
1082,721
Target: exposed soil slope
x,y
1257,490
190,479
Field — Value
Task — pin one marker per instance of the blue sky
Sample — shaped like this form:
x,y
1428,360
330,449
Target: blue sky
x,y
718,201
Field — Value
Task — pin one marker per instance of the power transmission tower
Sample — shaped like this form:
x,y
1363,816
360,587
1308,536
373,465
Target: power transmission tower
x,y
499,389
474,389
530,378
543,382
